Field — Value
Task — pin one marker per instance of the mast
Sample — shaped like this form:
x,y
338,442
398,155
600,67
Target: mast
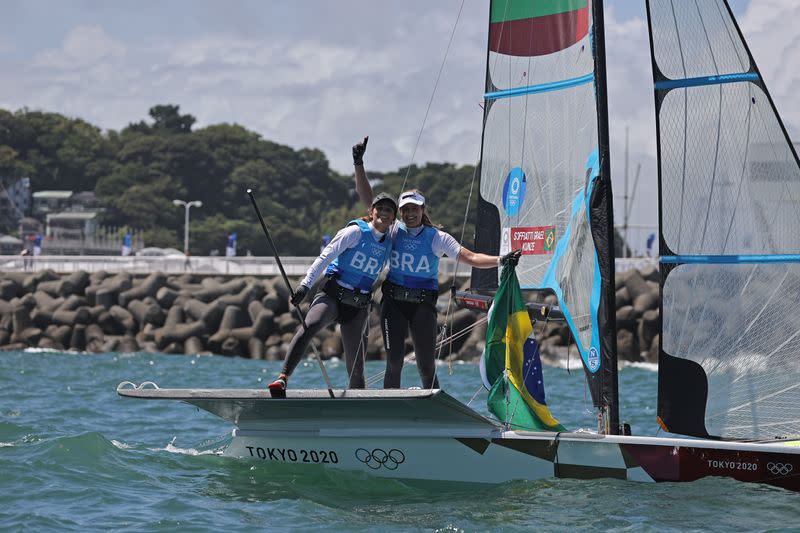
x,y
602,224
486,234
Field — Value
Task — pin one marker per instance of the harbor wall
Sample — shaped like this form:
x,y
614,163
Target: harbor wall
x,y
250,316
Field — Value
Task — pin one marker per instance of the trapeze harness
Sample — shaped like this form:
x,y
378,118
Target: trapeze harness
x,y
413,267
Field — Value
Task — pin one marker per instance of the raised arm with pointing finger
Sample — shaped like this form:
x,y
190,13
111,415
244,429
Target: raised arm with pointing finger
x,y
411,287
363,188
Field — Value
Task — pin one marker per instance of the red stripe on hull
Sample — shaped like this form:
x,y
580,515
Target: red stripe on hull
x,y
539,36
669,463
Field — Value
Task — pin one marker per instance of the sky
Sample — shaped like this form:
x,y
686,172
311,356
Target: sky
x,y
322,73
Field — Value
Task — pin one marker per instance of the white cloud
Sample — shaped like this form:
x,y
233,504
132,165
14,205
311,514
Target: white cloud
x,y
83,47
356,68
770,29
350,69
631,106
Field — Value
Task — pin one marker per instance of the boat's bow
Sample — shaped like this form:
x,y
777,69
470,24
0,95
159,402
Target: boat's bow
x,y
350,412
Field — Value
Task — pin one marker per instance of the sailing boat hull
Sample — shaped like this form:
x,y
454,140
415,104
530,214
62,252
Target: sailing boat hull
x,y
428,435
513,456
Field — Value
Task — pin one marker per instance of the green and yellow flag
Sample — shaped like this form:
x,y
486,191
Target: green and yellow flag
x,y
512,369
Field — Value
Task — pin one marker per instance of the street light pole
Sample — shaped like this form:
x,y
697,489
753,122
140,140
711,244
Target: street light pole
x,y
187,206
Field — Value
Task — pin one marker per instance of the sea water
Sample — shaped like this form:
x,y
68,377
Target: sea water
x,y
76,457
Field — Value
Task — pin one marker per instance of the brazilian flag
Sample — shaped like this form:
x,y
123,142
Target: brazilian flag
x,y
511,365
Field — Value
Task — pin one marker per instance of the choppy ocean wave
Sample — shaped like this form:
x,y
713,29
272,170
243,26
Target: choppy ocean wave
x,y
76,457
652,367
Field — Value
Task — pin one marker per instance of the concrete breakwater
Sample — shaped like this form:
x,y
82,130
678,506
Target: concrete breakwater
x,y
251,317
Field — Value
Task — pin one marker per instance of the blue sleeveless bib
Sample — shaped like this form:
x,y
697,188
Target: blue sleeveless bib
x,y
360,265
413,263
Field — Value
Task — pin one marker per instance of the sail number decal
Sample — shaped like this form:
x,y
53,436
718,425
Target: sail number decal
x,y
287,455
537,240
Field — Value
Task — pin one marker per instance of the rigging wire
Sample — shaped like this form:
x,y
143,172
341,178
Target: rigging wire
x,y
441,343
433,93
412,356
362,348
448,317
480,388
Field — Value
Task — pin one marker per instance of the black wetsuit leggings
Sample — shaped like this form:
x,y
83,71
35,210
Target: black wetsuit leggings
x,y
396,320
324,310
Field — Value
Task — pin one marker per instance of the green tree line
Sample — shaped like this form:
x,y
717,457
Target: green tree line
x,y
138,171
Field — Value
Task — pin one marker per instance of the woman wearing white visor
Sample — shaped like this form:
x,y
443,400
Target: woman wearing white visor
x,y
412,285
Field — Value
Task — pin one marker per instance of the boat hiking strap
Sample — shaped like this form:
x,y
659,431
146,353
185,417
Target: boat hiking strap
x,y
134,386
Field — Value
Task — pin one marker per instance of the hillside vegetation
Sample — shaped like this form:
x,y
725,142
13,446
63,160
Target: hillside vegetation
x,y
138,171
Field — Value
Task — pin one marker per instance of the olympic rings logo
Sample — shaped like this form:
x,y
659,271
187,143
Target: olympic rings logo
x,y
779,469
378,458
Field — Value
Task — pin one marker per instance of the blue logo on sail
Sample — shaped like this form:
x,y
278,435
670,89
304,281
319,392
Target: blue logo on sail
x,y
514,191
593,360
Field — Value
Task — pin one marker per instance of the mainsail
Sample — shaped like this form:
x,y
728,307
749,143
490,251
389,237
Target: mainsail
x,y
544,172
729,182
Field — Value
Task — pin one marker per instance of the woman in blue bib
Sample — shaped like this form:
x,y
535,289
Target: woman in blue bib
x,y
412,285
352,262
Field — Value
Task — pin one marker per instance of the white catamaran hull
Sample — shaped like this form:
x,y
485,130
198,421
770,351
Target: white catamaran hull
x,y
428,435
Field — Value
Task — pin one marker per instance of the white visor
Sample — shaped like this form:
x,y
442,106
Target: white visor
x,y
411,198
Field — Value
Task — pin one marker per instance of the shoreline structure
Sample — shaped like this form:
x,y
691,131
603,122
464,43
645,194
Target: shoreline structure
x,y
249,316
